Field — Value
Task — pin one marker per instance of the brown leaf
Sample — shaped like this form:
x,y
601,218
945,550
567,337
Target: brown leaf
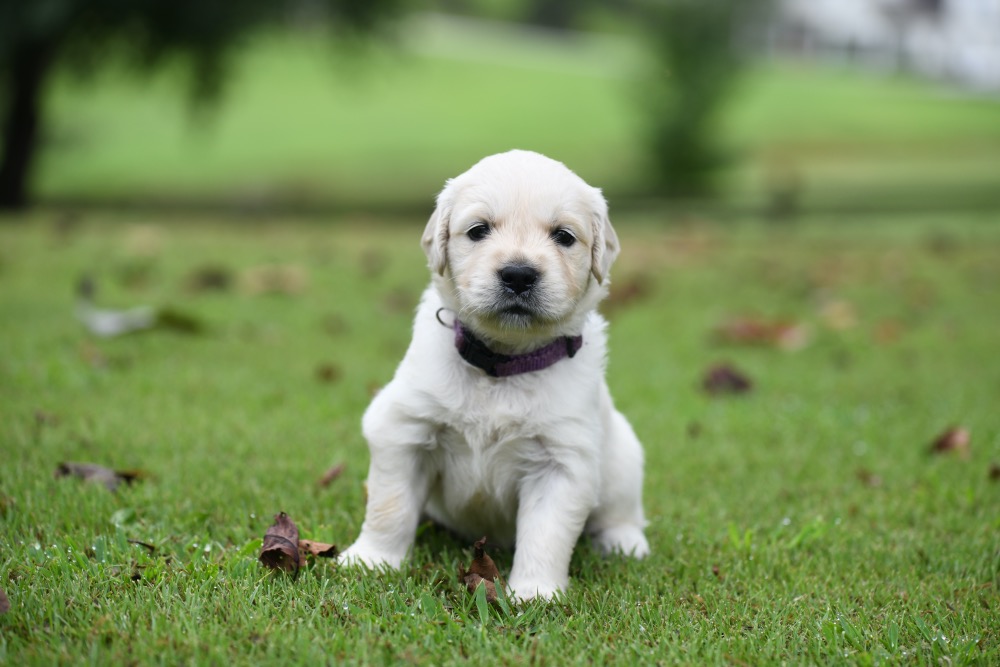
x,y
4,602
328,373
868,478
373,263
955,440
209,278
625,293
331,474
752,331
482,570
91,472
838,315
179,321
280,549
288,279
318,549
724,379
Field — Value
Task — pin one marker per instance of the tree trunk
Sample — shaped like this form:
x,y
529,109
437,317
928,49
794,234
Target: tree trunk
x,y
22,116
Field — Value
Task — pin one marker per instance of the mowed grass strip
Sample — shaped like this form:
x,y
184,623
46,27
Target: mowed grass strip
x,y
804,521
303,124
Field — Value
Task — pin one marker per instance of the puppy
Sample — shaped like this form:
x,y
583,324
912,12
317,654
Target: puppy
x,y
498,420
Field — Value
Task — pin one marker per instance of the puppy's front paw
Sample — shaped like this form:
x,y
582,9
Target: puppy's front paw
x,y
359,554
623,540
531,590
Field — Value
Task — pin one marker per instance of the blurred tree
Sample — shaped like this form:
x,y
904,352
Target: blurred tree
x,y
695,45
37,36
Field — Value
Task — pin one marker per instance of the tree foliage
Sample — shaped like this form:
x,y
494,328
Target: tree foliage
x,y
697,60
36,36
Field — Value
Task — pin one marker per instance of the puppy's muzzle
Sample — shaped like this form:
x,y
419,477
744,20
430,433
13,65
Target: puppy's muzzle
x,y
518,278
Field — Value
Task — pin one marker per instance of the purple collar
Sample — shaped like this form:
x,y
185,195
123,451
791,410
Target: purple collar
x,y
495,364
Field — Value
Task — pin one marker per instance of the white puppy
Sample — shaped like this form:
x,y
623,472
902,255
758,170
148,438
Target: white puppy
x,y
498,420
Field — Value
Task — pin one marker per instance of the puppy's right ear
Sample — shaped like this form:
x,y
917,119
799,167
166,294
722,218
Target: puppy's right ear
x,y
435,238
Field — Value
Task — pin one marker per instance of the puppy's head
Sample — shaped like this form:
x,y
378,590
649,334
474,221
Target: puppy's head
x,y
520,247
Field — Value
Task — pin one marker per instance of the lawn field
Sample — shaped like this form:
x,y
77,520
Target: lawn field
x,y
302,125
805,521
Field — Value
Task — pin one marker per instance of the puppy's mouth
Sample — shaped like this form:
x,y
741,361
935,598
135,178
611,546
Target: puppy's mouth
x,y
517,311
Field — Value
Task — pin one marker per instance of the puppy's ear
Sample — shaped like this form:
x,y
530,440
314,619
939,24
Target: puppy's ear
x,y
605,247
435,238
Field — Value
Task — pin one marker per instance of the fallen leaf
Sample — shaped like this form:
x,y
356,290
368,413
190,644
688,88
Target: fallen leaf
x,y
482,570
4,602
627,292
751,331
288,279
328,373
887,332
280,549
868,478
838,315
209,278
994,472
724,379
331,474
178,320
43,418
955,440
335,325
373,263
91,472
399,300
318,549
145,241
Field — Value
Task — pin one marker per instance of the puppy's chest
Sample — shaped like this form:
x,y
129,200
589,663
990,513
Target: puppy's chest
x,y
482,453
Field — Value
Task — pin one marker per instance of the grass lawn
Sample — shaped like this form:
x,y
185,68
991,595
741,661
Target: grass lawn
x,y
802,522
304,125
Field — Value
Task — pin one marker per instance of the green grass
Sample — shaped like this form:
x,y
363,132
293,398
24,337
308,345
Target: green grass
x,y
305,125
771,543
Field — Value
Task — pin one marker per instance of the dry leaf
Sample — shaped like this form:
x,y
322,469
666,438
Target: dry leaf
x,y
482,570
274,279
4,602
209,278
91,472
331,474
625,293
838,315
724,379
280,549
953,440
328,373
868,478
318,549
751,331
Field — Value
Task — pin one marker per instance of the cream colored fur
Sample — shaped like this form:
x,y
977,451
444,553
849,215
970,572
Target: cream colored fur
x,y
532,460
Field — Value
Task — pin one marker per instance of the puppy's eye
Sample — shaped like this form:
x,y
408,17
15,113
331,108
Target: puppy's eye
x,y
563,237
478,232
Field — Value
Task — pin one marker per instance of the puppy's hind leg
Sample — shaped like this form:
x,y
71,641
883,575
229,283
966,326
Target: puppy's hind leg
x,y
617,523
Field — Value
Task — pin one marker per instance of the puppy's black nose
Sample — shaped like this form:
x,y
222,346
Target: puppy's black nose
x,y
518,278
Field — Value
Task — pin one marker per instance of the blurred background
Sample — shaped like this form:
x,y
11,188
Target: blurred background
x,y
773,107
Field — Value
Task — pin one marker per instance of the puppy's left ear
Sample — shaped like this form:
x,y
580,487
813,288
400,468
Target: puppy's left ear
x,y
605,247
435,238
